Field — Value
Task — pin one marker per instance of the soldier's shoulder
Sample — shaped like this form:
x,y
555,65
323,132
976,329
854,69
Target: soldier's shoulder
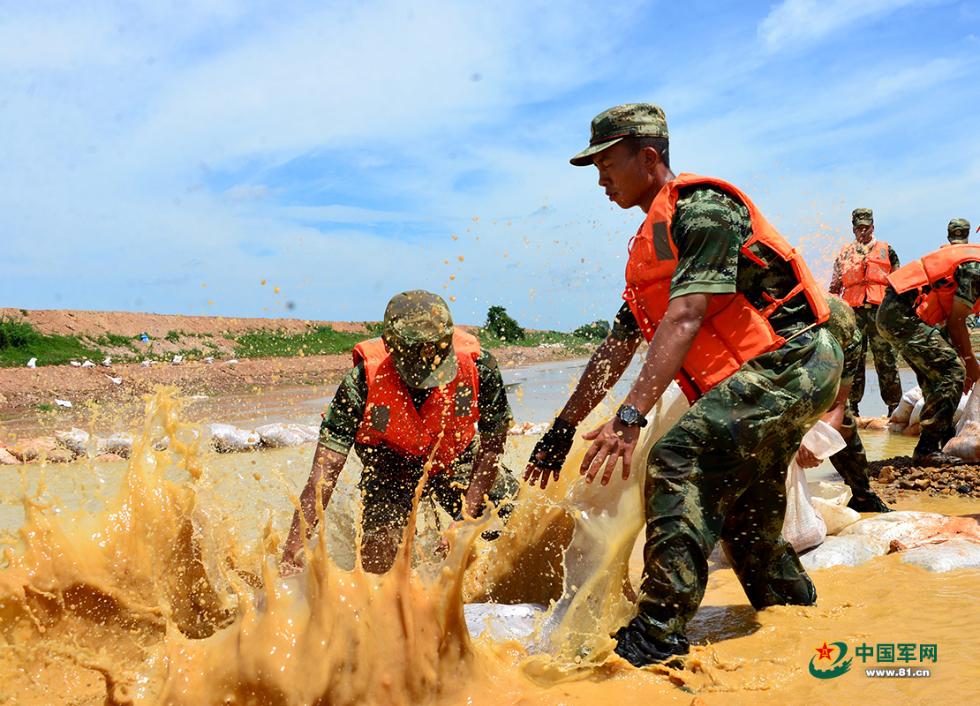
x,y
708,206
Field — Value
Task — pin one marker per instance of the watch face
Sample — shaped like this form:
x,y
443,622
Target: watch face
x,y
629,415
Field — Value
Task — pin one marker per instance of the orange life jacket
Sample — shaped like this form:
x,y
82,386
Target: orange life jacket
x,y
864,275
733,331
442,427
932,277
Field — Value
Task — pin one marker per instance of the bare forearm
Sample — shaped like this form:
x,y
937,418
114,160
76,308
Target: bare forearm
x,y
485,469
327,465
603,370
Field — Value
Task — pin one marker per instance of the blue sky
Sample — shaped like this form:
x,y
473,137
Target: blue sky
x,y
171,158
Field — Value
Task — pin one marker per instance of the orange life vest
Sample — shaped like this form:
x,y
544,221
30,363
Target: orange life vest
x,y
733,331
932,277
442,427
864,275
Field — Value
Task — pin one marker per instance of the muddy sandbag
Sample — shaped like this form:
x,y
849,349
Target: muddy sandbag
x,y
971,410
830,500
966,443
844,551
277,435
905,406
75,440
227,438
916,415
961,408
502,622
955,554
907,529
120,444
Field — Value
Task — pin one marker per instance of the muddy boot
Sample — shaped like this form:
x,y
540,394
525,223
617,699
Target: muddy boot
x,y
937,459
639,648
868,503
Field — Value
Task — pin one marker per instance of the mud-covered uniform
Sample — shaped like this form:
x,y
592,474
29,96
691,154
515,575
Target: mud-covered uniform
x,y
389,478
720,472
883,354
936,364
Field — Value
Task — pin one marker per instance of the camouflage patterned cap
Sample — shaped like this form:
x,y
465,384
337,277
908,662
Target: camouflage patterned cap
x,y
842,322
862,217
958,230
629,120
418,330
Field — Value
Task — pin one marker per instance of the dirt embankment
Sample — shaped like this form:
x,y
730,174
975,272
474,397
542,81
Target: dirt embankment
x,y
92,324
29,389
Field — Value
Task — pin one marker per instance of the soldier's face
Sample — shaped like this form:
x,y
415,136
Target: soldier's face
x,y
863,233
623,175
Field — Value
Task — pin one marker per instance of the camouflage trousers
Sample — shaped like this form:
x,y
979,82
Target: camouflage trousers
x,y
720,474
937,367
851,461
885,361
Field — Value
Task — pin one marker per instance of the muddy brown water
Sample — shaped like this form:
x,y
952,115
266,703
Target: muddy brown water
x,y
136,583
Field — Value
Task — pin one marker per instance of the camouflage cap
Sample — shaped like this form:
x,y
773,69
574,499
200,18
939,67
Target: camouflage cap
x,y
418,330
842,322
958,230
862,217
629,120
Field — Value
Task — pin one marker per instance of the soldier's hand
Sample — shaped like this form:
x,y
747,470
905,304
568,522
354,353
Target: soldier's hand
x,y
610,442
806,459
549,453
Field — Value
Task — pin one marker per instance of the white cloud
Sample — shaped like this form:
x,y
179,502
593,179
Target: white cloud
x,y
795,22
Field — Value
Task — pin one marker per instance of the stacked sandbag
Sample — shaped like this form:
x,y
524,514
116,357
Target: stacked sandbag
x,y
966,443
935,542
75,440
227,438
907,417
277,435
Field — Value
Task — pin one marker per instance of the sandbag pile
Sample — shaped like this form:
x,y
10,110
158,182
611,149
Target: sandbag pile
x,y
68,446
907,415
966,443
933,541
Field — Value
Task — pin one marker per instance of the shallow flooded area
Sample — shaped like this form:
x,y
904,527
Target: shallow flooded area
x,y
153,581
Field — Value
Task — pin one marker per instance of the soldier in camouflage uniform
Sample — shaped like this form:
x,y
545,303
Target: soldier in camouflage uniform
x,y
413,320
958,231
851,461
944,371
885,360
720,472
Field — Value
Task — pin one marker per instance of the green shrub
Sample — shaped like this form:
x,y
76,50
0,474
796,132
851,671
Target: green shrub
x,y
19,342
503,326
318,341
596,331
16,334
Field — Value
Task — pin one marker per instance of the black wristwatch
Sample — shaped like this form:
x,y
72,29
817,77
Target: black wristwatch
x,y
630,416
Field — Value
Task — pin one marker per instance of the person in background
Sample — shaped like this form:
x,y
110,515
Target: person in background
x,y
923,314
958,231
860,272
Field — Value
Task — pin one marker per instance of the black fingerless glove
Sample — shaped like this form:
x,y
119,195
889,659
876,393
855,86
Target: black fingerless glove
x,y
554,445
